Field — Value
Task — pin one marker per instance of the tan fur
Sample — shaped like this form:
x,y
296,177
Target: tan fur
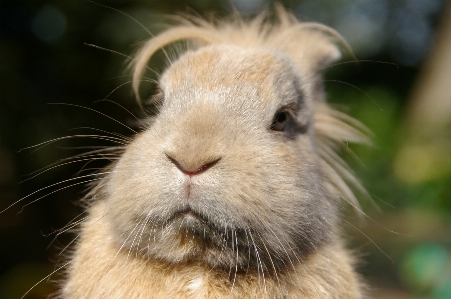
x,y
96,274
211,201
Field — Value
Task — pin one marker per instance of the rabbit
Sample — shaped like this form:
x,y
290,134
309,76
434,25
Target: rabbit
x,y
231,190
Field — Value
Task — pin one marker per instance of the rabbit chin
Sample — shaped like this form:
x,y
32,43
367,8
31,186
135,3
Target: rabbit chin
x,y
188,237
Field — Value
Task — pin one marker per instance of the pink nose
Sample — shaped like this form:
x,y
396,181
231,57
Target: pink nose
x,y
191,171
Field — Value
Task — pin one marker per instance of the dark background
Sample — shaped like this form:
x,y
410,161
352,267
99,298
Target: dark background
x,y
404,243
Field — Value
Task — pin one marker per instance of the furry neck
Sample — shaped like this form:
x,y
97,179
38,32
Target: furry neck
x,y
100,269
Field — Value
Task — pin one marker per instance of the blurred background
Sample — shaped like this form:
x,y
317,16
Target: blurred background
x,y
400,89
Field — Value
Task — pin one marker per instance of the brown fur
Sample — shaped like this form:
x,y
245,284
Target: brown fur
x,y
210,201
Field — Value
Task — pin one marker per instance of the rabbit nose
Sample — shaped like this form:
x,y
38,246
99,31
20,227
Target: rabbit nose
x,y
192,170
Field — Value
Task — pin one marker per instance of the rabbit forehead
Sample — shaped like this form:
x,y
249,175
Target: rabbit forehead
x,y
234,73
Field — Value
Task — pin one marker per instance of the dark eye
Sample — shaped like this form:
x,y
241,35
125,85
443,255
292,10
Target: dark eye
x,y
280,120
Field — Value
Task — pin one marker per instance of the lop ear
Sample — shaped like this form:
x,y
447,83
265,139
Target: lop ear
x,y
312,46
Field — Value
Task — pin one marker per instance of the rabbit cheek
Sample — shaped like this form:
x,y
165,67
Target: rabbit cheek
x,y
158,211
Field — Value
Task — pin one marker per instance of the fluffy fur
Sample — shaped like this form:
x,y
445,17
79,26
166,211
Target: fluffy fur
x,y
231,192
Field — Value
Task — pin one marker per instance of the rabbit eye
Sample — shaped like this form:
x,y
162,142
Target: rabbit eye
x,y
280,120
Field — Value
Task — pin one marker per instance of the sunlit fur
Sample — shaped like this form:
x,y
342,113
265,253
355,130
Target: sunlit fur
x,y
209,201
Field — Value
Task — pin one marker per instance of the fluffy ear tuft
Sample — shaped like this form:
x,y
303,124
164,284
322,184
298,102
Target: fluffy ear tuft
x,y
312,46
318,50
168,37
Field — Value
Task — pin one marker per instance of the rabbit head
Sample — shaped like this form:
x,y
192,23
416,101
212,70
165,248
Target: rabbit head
x,y
237,168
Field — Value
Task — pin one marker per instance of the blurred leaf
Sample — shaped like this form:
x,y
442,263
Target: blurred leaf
x,y
424,266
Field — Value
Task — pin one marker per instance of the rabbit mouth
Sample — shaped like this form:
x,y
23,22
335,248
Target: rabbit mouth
x,y
191,220
190,216
186,211
199,237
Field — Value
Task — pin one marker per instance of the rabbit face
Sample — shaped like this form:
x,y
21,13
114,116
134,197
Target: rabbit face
x,y
227,173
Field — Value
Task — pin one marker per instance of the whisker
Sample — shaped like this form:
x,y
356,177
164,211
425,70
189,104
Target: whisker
x,y
358,61
116,88
126,110
52,185
283,247
55,165
259,263
46,143
144,226
103,114
73,220
134,20
86,154
69,244
134,238
57,190
381,200
121,54
53,272
72,225
270,258
249,250
359,89
374,243
372,220
123,137
117,253
236,261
